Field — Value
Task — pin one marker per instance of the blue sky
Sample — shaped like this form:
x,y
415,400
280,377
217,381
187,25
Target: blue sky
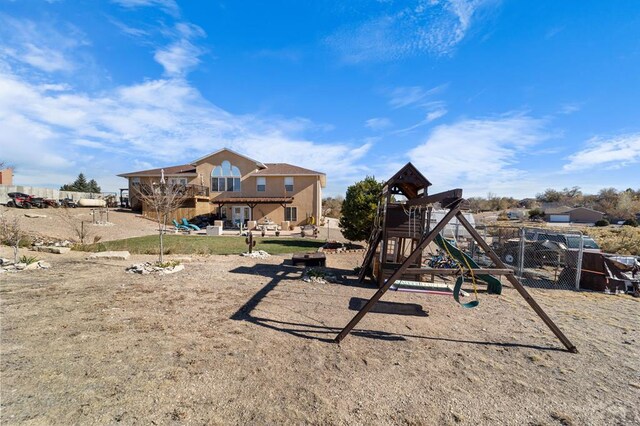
x,y
508,97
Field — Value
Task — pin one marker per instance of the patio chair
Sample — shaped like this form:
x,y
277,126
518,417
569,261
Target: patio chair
x,y
179,226
188,225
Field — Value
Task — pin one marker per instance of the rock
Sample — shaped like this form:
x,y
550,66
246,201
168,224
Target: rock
x,y
53,249
258,254
44,265
4,261
148,267
172,270
34,215
20,266
112,255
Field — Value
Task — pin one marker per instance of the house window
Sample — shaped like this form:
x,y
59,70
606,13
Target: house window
x,y
291,214
261,184
225,177
288,184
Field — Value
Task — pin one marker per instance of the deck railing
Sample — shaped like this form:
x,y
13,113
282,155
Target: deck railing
x,y
197,190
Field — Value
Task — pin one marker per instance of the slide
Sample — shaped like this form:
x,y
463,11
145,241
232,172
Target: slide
x,y
493,284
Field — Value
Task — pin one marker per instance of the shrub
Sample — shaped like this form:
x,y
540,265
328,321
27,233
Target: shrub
x,y
602,222
359,209
536,213
28,259
630,222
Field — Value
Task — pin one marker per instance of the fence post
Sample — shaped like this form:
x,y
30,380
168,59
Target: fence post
x,y
579,261
521,253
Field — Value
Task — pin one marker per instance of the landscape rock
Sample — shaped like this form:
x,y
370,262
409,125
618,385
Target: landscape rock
x,y
111,255
148,268
44,265
10,267
35,215
258,254
53,249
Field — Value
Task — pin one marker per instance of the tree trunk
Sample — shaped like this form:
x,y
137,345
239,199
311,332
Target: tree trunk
x,y
15,252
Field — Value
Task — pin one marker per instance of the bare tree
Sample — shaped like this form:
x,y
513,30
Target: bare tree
x,y
79,227
11,233
162,199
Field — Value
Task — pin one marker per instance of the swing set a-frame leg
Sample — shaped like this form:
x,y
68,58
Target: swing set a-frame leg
x,y
518,286
398,273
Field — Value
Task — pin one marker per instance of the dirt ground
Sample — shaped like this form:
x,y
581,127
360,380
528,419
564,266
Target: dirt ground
x,y
232,340
59,223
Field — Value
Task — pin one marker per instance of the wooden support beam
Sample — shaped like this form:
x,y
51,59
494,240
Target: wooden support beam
x,y
371,252
451,195
443,271
514,281
426,240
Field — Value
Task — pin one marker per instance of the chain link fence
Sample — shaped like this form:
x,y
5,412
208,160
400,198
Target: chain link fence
x,y
542,258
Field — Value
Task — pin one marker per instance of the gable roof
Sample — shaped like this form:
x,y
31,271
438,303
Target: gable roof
x,y
264,169
408,180
185,169
567,210
285,169
557,210
258,163
279,169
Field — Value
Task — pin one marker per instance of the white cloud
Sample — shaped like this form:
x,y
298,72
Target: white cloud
x,y
168,6
614,152
433,26
38,45
178,58
435,114
570,108
159,122
414,95
378,123
477,153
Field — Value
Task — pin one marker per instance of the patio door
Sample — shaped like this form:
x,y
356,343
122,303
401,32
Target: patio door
x,y
240,214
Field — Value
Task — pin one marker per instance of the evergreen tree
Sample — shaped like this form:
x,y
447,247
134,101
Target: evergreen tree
x,y
93,186
359,209
81,185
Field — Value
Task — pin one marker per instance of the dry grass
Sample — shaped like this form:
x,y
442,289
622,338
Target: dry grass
x,y
234,341
621,240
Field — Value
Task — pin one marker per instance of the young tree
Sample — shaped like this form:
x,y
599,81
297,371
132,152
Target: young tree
x,y
80,228
163,199
11,233
359,209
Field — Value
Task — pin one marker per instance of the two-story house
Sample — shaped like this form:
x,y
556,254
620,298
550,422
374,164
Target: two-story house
x,y
239,188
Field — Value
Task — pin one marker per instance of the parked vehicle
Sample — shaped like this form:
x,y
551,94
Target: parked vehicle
x,y
38,202
51,203
19,200
68,202
536,253
571,241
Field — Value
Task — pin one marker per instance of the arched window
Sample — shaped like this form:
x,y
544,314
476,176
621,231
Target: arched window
x,y
225,177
